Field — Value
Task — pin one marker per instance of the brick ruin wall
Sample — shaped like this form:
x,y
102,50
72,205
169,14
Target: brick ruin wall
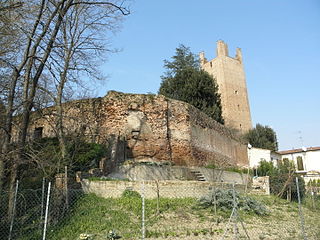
x,y
145,127
213,141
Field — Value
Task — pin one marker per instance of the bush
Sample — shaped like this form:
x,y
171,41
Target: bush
x,y
81,155
278,181
44,159
266,168
223,200
130,194
84,156
314,183
279,178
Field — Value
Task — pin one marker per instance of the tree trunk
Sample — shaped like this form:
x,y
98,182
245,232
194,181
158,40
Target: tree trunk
x,y
2,162
8,124
13,177
31,84
61,136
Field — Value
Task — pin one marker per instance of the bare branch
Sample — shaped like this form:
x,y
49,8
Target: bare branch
x,y
123,10
11,6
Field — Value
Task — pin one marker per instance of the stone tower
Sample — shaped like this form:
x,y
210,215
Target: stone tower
x,y
230,77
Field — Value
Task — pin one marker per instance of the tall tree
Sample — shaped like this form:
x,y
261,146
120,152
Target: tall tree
x,y
185,81
10,36
80,48
262,137
39,26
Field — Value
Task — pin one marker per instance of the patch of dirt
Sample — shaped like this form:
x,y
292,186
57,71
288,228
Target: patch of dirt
x,y
282,223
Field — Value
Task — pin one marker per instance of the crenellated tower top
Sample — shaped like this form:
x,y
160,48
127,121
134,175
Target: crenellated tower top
x,y
230,77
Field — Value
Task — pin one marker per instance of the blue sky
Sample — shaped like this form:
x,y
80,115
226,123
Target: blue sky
x,y
280,42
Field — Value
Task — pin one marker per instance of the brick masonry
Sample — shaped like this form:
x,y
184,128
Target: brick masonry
x,y
145,127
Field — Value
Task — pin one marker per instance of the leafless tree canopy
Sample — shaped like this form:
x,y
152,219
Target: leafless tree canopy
x,y
46,47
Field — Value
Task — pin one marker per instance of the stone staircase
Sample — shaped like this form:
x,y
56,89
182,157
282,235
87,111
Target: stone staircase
x,y
198,175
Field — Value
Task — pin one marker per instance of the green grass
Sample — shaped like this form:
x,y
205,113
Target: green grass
x,y
106,179
230,169
96,215
211,166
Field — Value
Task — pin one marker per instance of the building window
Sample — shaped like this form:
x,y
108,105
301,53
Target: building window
x,y
285,161
37,134
300,163
235,91
211,64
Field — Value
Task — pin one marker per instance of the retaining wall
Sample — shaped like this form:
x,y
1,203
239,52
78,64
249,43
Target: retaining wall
x,y
167,189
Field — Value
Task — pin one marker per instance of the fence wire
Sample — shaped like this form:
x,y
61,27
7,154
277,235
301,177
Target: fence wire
x,y
223,213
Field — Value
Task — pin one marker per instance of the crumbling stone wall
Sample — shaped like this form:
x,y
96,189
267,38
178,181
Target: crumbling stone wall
x,y
146,127
142,121
80,117
213,142
261,185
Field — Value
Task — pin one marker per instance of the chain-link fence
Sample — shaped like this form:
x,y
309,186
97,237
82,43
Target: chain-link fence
x,y
27,213
158,210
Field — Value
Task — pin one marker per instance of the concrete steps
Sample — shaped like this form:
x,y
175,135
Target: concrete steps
x,y
198,175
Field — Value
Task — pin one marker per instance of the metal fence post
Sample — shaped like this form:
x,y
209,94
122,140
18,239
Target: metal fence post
x,y
235,226
300,211
312,195
214,200
13,210
46,214
42,199
143,212
66,185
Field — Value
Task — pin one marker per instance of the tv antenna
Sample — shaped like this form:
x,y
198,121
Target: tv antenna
x,y
300,138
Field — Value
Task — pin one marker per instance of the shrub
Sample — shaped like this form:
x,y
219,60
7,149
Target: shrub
x,y
266,168
279,177
84,155
130,194
223,200
278,181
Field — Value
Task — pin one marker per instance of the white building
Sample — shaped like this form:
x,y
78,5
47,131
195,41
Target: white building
x,y
256,155
306,160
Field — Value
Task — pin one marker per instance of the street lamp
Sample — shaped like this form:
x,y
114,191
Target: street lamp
x,y
249,146
304,149
249,156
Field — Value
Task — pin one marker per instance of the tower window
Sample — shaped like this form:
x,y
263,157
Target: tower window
x,y
37,134
235,91
211,64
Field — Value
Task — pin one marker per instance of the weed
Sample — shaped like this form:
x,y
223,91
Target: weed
x,y
106,179
130,194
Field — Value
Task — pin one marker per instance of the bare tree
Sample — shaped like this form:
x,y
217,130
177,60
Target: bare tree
x,y
10,18
80,46
46,29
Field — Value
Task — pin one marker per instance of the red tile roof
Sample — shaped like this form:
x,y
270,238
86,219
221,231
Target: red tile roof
x,y
298,150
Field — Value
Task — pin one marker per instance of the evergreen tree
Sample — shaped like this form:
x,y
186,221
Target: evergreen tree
x,y
262,137
185,81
